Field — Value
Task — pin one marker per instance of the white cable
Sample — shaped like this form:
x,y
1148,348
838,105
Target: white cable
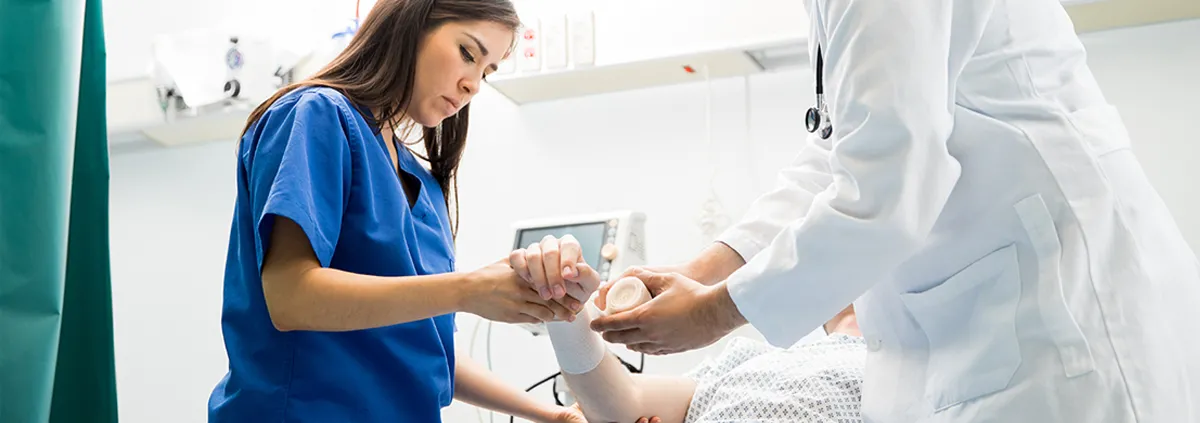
x,y
749,138
471,354
491,414
712,153
712,218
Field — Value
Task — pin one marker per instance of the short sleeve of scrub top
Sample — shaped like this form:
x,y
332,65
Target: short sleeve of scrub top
x,y
314,159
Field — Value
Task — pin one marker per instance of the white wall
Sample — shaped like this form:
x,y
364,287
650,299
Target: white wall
x,y
644,150
620,35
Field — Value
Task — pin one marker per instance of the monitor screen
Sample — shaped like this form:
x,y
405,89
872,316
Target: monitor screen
x,y
590,236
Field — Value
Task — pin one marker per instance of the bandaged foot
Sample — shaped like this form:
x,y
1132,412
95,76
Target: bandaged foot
x,y
578,349
626,294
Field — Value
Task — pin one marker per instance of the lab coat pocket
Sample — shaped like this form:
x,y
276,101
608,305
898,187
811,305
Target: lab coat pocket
x,y
1060,325
970,322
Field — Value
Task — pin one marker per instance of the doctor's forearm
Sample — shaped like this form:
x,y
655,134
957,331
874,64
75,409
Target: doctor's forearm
x,y
714,264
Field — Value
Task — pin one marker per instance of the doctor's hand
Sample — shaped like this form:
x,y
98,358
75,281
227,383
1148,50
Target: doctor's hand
x,y
497,293
556,270
713,265
602,298
683,315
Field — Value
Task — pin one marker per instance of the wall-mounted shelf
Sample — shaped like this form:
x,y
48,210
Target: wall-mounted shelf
x,y
525,88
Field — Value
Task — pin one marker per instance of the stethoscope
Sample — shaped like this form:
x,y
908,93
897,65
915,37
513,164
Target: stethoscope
x,y
817,119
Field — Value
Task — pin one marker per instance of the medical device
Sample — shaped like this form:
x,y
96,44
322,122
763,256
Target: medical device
x,y
205,70
817,119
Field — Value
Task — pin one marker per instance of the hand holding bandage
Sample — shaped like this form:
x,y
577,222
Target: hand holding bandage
x,y
625,294
683,315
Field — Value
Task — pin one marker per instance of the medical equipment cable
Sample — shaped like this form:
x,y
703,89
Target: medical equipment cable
x,y
491,414
749,140
712,217
471,353
554,382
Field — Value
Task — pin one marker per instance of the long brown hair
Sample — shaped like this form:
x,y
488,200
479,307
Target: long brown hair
x,y
377,71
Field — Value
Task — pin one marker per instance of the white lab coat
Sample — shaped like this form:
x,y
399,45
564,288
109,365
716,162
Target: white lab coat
x,y
980,204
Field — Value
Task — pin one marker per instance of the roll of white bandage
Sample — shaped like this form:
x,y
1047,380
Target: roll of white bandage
x,y
577,347
626,294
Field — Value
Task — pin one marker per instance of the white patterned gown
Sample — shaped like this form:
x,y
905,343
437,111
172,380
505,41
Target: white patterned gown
x,y
816,382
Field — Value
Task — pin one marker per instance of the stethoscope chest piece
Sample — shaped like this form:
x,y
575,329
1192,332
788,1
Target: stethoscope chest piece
x,y
812,120
817,121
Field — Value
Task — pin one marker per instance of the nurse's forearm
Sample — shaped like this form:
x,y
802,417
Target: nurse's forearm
x,y
302,295
324,299
477,386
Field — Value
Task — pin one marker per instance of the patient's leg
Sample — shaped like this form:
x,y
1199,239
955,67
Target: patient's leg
x,y
605,390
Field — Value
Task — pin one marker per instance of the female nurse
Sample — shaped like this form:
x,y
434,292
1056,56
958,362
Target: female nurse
x,y
340,285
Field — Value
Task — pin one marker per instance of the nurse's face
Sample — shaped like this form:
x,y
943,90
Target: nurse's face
x,y
451,63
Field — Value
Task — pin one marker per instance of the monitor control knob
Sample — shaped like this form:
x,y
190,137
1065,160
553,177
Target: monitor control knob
x,y
609,252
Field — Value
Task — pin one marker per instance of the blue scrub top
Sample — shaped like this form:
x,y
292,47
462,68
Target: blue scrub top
x,y
315,160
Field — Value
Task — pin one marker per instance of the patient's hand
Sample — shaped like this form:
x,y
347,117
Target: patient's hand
x,y
556,269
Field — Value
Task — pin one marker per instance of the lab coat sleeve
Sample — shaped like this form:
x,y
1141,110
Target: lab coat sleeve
x,y
891,67
795,188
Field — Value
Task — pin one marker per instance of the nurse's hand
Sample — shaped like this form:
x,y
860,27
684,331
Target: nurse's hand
x,y
574,414
683,315
556,270
497,293
567,415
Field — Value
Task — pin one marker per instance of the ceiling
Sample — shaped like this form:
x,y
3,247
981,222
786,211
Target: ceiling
x,y
1111,14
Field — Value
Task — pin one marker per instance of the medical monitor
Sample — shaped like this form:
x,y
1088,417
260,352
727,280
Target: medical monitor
x,y
591,236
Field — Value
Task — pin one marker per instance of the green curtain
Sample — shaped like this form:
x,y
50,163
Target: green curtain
x,y
56,332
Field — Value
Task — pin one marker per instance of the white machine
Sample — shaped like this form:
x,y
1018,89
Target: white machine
x,y
196,71
611,241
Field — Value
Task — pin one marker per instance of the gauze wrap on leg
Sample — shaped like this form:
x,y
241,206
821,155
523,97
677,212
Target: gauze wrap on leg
x,y
578,348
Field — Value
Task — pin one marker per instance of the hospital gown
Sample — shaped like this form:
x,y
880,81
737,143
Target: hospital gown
x,y
817,382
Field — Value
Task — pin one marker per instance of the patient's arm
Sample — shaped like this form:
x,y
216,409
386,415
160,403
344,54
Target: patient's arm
x,y
610,394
